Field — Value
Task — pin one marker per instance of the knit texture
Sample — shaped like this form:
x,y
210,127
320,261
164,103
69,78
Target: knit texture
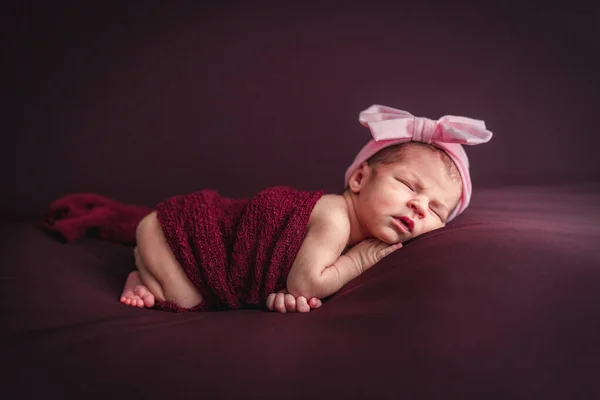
x,y
235,251
79,215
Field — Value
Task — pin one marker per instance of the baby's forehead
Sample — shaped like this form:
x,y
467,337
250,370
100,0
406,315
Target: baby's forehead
x,y
434,169
419,158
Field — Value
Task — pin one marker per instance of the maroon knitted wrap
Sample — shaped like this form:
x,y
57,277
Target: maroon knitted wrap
x,y
236,251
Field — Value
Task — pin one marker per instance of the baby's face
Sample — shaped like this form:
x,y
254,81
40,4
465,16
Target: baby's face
x,y
399,201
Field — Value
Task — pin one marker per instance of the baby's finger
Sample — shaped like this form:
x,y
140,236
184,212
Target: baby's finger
x,y
387,250
302,304
280,303
271,301
290,303
315,303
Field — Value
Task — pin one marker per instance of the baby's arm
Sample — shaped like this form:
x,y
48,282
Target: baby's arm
x,y
320,269
326,237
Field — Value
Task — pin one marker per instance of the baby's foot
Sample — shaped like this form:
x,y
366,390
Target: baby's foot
x,y
135,293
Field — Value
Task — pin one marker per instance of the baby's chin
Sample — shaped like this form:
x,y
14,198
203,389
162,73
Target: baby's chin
x,y
390,236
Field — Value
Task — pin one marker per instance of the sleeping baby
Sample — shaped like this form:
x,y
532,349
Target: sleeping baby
x,y
411,178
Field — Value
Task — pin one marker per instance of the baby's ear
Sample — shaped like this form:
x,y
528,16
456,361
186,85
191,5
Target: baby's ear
x,y
357,178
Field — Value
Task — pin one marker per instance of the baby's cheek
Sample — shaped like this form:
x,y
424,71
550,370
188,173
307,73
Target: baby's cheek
x,y
380,197
430,226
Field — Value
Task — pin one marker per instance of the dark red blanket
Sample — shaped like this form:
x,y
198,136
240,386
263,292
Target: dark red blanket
x,y
236,251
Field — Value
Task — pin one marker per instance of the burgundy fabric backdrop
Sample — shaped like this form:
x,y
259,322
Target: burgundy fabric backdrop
x,y
143,99
140,100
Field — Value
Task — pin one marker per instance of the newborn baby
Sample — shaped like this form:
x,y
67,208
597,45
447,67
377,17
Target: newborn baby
x,y
412,178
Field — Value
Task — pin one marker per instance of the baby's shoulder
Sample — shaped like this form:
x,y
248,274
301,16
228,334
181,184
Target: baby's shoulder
x,y
330,209
328,203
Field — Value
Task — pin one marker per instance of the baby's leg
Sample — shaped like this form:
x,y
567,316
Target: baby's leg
x,y
158,269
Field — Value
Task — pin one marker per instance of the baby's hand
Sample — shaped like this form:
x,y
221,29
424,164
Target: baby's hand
x,y
283,302
369,252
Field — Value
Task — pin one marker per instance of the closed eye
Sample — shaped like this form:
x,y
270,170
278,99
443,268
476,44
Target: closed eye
x,y
436,213
408,185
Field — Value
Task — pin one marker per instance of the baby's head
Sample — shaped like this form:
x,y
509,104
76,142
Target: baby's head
x,y
404,191
412,146
409,150
423,158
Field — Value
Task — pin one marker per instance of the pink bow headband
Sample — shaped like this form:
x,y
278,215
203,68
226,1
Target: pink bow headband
x,y
390,126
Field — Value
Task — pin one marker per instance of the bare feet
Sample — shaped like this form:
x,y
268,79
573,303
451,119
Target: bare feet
x,y
135,293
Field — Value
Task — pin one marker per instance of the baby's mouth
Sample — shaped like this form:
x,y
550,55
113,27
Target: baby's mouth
x,y
407,223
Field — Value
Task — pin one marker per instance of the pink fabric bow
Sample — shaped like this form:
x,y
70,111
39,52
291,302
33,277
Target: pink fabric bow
x,y
388,123
390,126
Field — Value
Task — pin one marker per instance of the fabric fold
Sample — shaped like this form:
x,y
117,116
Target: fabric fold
x,y
235,251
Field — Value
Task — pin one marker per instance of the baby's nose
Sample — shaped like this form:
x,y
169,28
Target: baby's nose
x,y
416,207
